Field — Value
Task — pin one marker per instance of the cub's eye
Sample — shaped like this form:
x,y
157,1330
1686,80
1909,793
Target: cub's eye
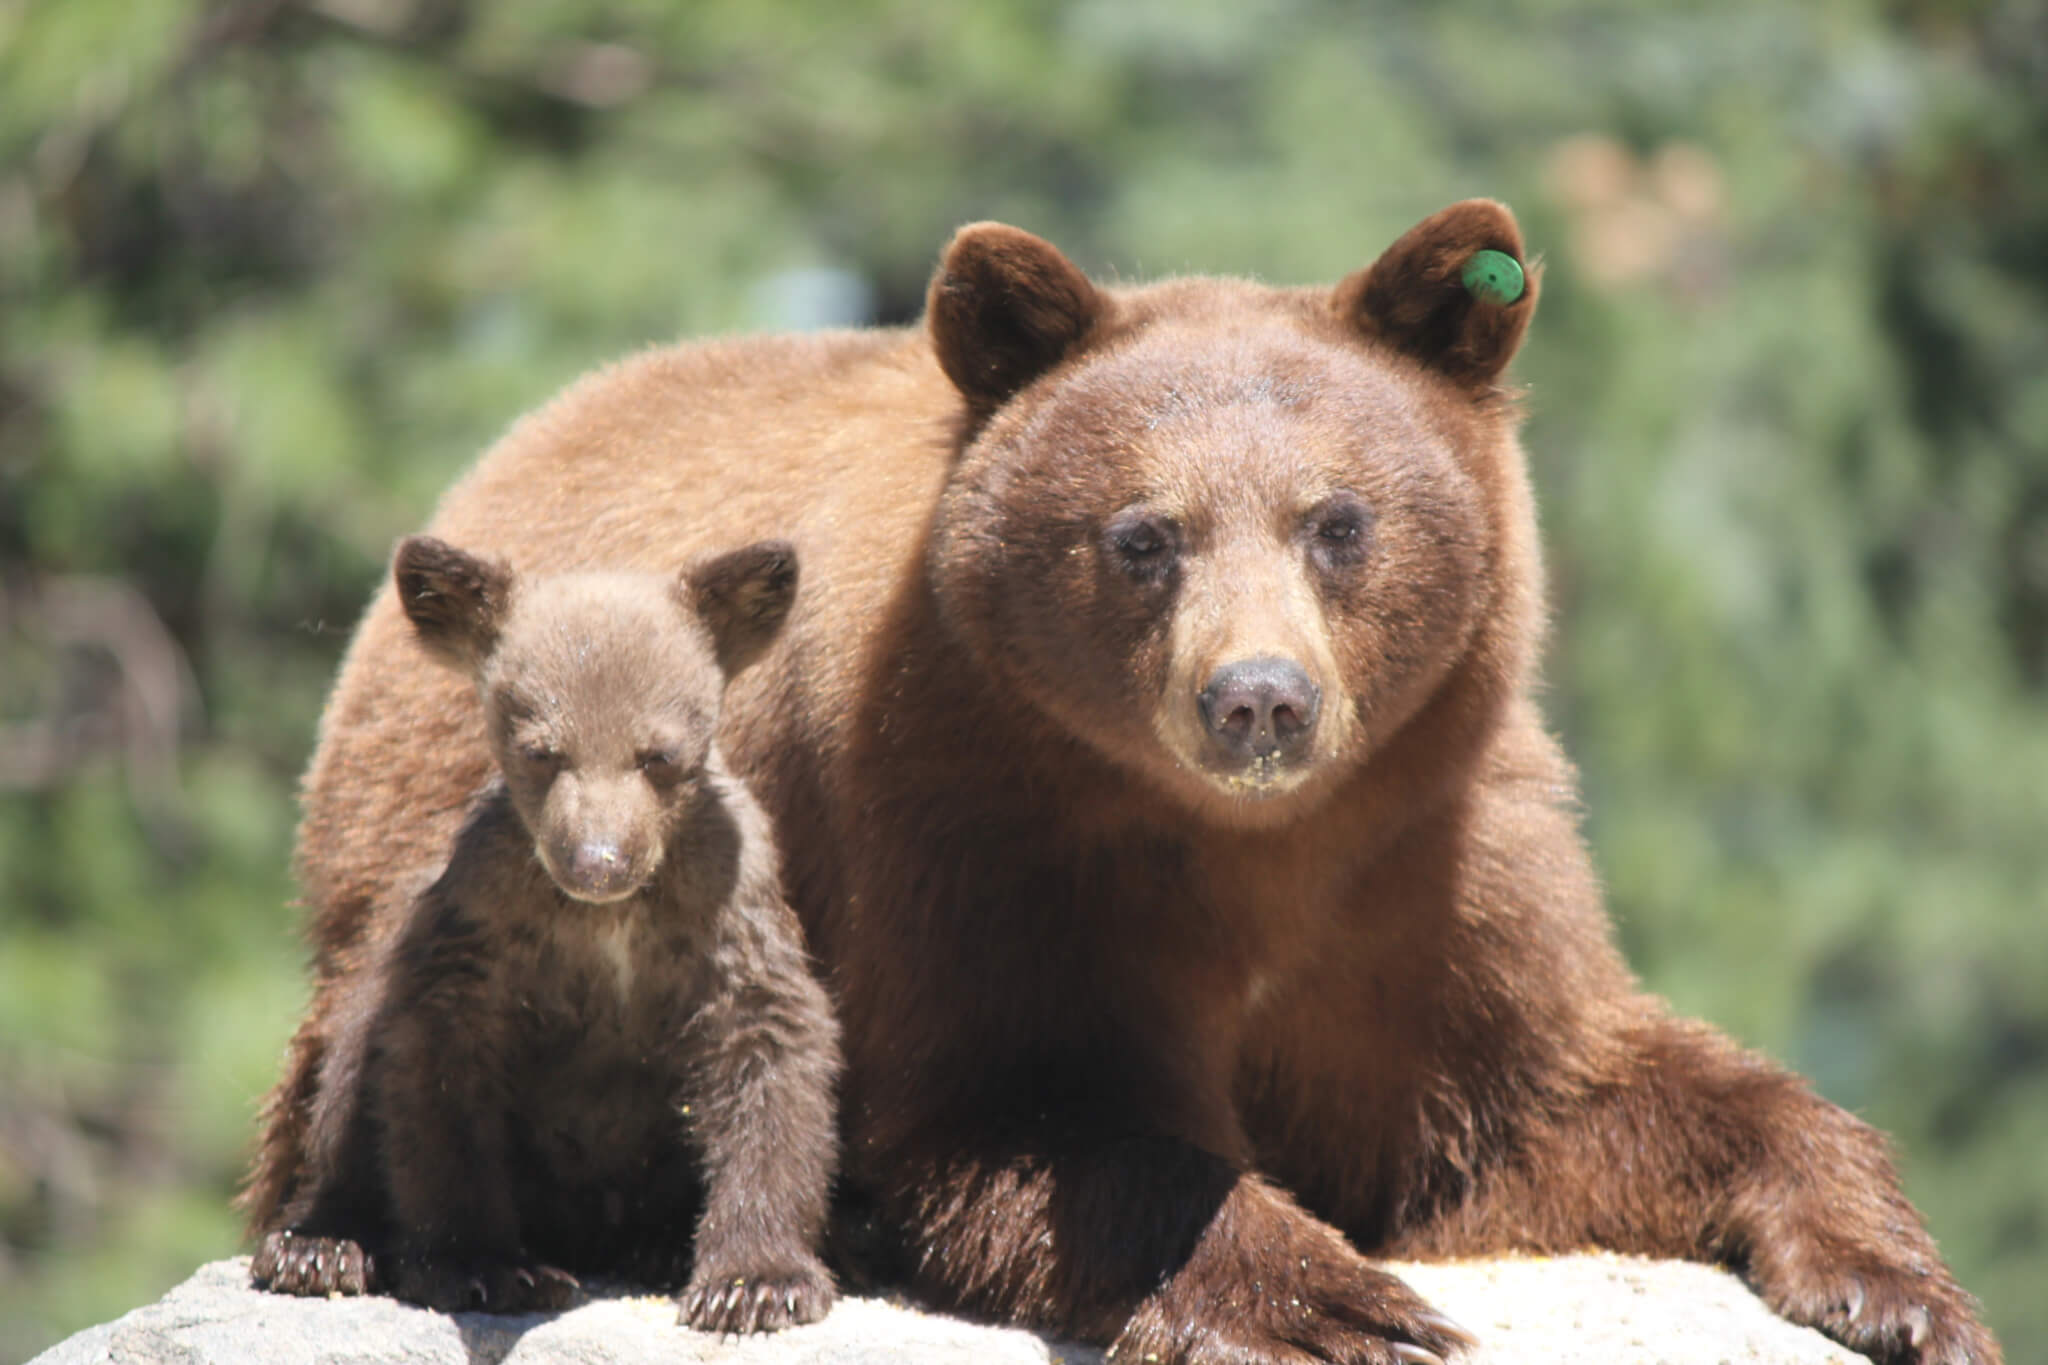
x,y
661,767
1142,545
540,755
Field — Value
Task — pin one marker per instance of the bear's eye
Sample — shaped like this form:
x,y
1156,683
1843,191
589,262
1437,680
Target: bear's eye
x,y
662,767
539,755
1341,531
1142,545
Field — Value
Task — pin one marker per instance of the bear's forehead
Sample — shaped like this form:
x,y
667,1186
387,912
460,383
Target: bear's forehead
x,y
1249,376
1265,415
596,642
605,711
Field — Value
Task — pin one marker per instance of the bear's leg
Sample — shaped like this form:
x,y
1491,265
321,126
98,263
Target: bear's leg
x,y
760,1114
327,1239
439,1104
279,1165
314,1201
1172,1253
1700,1150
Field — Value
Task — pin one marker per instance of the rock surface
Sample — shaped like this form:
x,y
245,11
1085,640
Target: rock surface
x,y
1608,1310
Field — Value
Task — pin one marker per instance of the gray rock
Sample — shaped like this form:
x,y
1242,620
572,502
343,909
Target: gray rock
x,y
1602,1309
217,1317
1597,1309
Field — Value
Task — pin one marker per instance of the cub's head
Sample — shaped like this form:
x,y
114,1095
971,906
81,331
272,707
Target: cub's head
x,y
1246,542
600,690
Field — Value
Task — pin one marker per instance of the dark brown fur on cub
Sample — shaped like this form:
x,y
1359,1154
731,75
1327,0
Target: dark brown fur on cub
x,y
596,1027
1156,757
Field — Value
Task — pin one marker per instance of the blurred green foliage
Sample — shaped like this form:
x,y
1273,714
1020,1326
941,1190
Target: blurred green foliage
x,y
271,272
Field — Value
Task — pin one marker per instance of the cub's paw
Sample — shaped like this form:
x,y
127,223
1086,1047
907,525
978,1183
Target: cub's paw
x,y
1897,1315
1345,1314
482,1285
737,1301
288,1262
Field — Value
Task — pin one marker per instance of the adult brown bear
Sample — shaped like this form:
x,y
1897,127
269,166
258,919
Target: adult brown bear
x,y
1155,759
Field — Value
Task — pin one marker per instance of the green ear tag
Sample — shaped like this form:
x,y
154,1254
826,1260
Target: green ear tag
x,y
1493,277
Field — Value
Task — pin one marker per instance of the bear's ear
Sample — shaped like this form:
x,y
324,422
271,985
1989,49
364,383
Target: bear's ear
x,y
1003,308
1454,293
455,600
743,597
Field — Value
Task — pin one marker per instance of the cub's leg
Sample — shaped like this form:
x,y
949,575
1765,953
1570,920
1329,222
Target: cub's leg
x,y
314,1198
763,1066
439,1080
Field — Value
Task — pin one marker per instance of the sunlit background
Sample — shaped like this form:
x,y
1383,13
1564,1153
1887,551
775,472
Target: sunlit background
x,y
271,272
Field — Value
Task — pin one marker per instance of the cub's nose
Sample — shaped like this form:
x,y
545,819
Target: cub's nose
x,y
598,870
1259,709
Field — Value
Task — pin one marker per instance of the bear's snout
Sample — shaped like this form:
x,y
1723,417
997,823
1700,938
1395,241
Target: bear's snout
x,y
596,870
1259,711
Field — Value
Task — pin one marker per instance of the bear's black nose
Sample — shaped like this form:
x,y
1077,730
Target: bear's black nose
x,y
1260,708
597,870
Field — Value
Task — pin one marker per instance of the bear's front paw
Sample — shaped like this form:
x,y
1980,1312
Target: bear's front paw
x,y
288,1262
1911,1314
727,1300
1343,1313
453,1284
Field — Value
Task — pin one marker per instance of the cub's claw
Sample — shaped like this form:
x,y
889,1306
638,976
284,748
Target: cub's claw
x,y
736,1302
289,1262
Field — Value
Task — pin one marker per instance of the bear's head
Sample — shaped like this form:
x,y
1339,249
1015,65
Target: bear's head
x,y
601,691
1240,540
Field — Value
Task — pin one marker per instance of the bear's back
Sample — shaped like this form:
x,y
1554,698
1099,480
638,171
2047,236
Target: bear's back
x,y
835,441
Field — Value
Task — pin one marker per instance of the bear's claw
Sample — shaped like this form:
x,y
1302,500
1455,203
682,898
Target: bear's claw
x,y
289,1262
741,1303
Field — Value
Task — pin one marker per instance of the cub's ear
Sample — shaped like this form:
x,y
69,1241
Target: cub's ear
x,y
743,597
1003,308
456,601
1455,293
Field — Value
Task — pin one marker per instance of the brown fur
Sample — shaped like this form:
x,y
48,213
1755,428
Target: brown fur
x,y
1161,784
596,1027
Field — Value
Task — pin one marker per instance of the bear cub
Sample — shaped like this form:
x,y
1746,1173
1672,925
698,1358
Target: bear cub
x,y
598,1027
